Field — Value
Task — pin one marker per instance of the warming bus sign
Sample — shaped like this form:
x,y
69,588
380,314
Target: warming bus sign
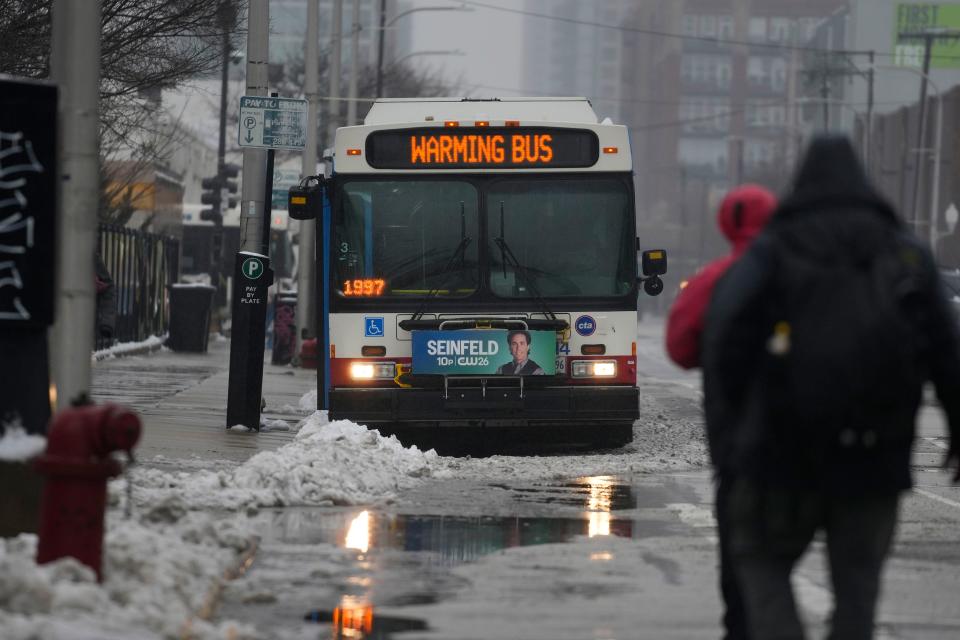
x,y
485,352
483,148
920,18
274,123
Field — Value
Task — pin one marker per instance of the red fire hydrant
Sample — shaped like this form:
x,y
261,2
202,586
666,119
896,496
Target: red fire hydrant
x,y
76,466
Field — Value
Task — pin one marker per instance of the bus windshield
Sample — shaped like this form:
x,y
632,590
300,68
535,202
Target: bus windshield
x,y
409,246
569,237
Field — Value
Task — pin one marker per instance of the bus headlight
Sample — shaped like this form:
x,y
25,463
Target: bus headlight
x,y
593,368
373,370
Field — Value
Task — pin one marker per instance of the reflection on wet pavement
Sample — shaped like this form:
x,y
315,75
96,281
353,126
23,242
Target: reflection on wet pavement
x,y
354,620
405,559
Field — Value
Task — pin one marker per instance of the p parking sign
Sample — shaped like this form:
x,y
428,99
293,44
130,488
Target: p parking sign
x,y
252,268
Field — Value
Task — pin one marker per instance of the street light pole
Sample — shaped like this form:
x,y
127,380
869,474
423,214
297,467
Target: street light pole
x,y
306,281
333,104
75,67
354,64
380,42
383,28
254,201
452,52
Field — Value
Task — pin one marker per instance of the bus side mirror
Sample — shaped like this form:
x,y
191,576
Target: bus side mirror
x,y
305,200
653,263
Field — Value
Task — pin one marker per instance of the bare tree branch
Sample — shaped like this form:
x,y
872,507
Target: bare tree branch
x,y
146,46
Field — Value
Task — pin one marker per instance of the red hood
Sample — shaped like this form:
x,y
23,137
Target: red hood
x,y
743,214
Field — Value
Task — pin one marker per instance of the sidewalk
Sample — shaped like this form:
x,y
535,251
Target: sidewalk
x,y
182,399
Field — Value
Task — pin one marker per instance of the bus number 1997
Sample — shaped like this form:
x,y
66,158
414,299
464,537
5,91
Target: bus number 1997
x,y
364,287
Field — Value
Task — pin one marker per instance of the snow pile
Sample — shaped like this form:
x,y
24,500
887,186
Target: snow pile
x,y
274,425
126,348
327,463
156,579
16,444
308,401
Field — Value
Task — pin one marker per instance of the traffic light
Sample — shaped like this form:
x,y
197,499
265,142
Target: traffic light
x,y
211,195
228,185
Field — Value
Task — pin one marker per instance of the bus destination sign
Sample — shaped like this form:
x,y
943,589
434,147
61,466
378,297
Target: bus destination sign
x,y
482,148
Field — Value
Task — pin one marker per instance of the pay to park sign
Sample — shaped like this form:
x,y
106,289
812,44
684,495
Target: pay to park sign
x,y
273,123
484,352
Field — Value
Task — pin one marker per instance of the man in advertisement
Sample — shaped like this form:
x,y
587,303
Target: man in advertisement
x,y
521,365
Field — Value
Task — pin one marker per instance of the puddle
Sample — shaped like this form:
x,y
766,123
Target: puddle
x,y
404,554
456,539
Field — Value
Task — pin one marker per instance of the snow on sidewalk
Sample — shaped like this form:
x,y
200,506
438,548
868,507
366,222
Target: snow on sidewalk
x,y
156,577
159,566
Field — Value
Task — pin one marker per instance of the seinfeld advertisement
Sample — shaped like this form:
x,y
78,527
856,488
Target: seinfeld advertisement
x,y
485,352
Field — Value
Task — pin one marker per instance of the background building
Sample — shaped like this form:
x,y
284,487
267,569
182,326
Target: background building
x,y
574,57
723,93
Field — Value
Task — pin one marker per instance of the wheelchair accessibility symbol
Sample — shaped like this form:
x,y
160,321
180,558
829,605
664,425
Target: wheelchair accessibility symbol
x,y
373,326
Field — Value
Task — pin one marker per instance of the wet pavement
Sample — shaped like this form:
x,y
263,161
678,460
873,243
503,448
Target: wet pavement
x,y
375,573
603,557
599,557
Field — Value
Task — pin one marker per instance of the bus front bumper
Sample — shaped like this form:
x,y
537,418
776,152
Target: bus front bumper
x,y
490,407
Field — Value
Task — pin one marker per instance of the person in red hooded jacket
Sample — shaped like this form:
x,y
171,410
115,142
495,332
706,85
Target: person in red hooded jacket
x,y
743,213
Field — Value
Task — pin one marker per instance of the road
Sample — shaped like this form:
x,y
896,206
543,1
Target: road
x,y
606,545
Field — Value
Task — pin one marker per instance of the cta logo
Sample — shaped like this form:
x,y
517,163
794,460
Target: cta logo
x,y
585,325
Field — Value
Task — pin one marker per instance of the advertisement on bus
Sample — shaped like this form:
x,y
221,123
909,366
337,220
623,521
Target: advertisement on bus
x,y
485,352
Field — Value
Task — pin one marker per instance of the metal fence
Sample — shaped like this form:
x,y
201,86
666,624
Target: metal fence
x,y
141,265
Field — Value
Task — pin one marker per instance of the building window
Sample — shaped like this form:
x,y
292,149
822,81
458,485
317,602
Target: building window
x,y
708,26
689,25
725,27
780,29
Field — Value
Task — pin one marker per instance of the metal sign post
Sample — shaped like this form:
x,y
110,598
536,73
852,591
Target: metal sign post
x,y
271,123
252,277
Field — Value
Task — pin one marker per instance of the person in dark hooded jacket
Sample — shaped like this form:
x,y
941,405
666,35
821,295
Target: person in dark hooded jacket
x,y
817,413
744,212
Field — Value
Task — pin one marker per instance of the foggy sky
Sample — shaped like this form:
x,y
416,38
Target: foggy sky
x,y
490,40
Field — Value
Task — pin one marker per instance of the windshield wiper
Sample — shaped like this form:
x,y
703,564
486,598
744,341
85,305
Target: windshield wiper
x,y
460,253
506,254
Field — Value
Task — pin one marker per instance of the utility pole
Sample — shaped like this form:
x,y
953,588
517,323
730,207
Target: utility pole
x,y
228,15
868,134
75,67
354,64
252,275
306,280
381,39
738,94
927,37
253,199
336,41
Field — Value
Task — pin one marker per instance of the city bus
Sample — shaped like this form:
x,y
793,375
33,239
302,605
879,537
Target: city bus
x,y
481,272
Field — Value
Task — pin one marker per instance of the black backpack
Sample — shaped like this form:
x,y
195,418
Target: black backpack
x,y
841,368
